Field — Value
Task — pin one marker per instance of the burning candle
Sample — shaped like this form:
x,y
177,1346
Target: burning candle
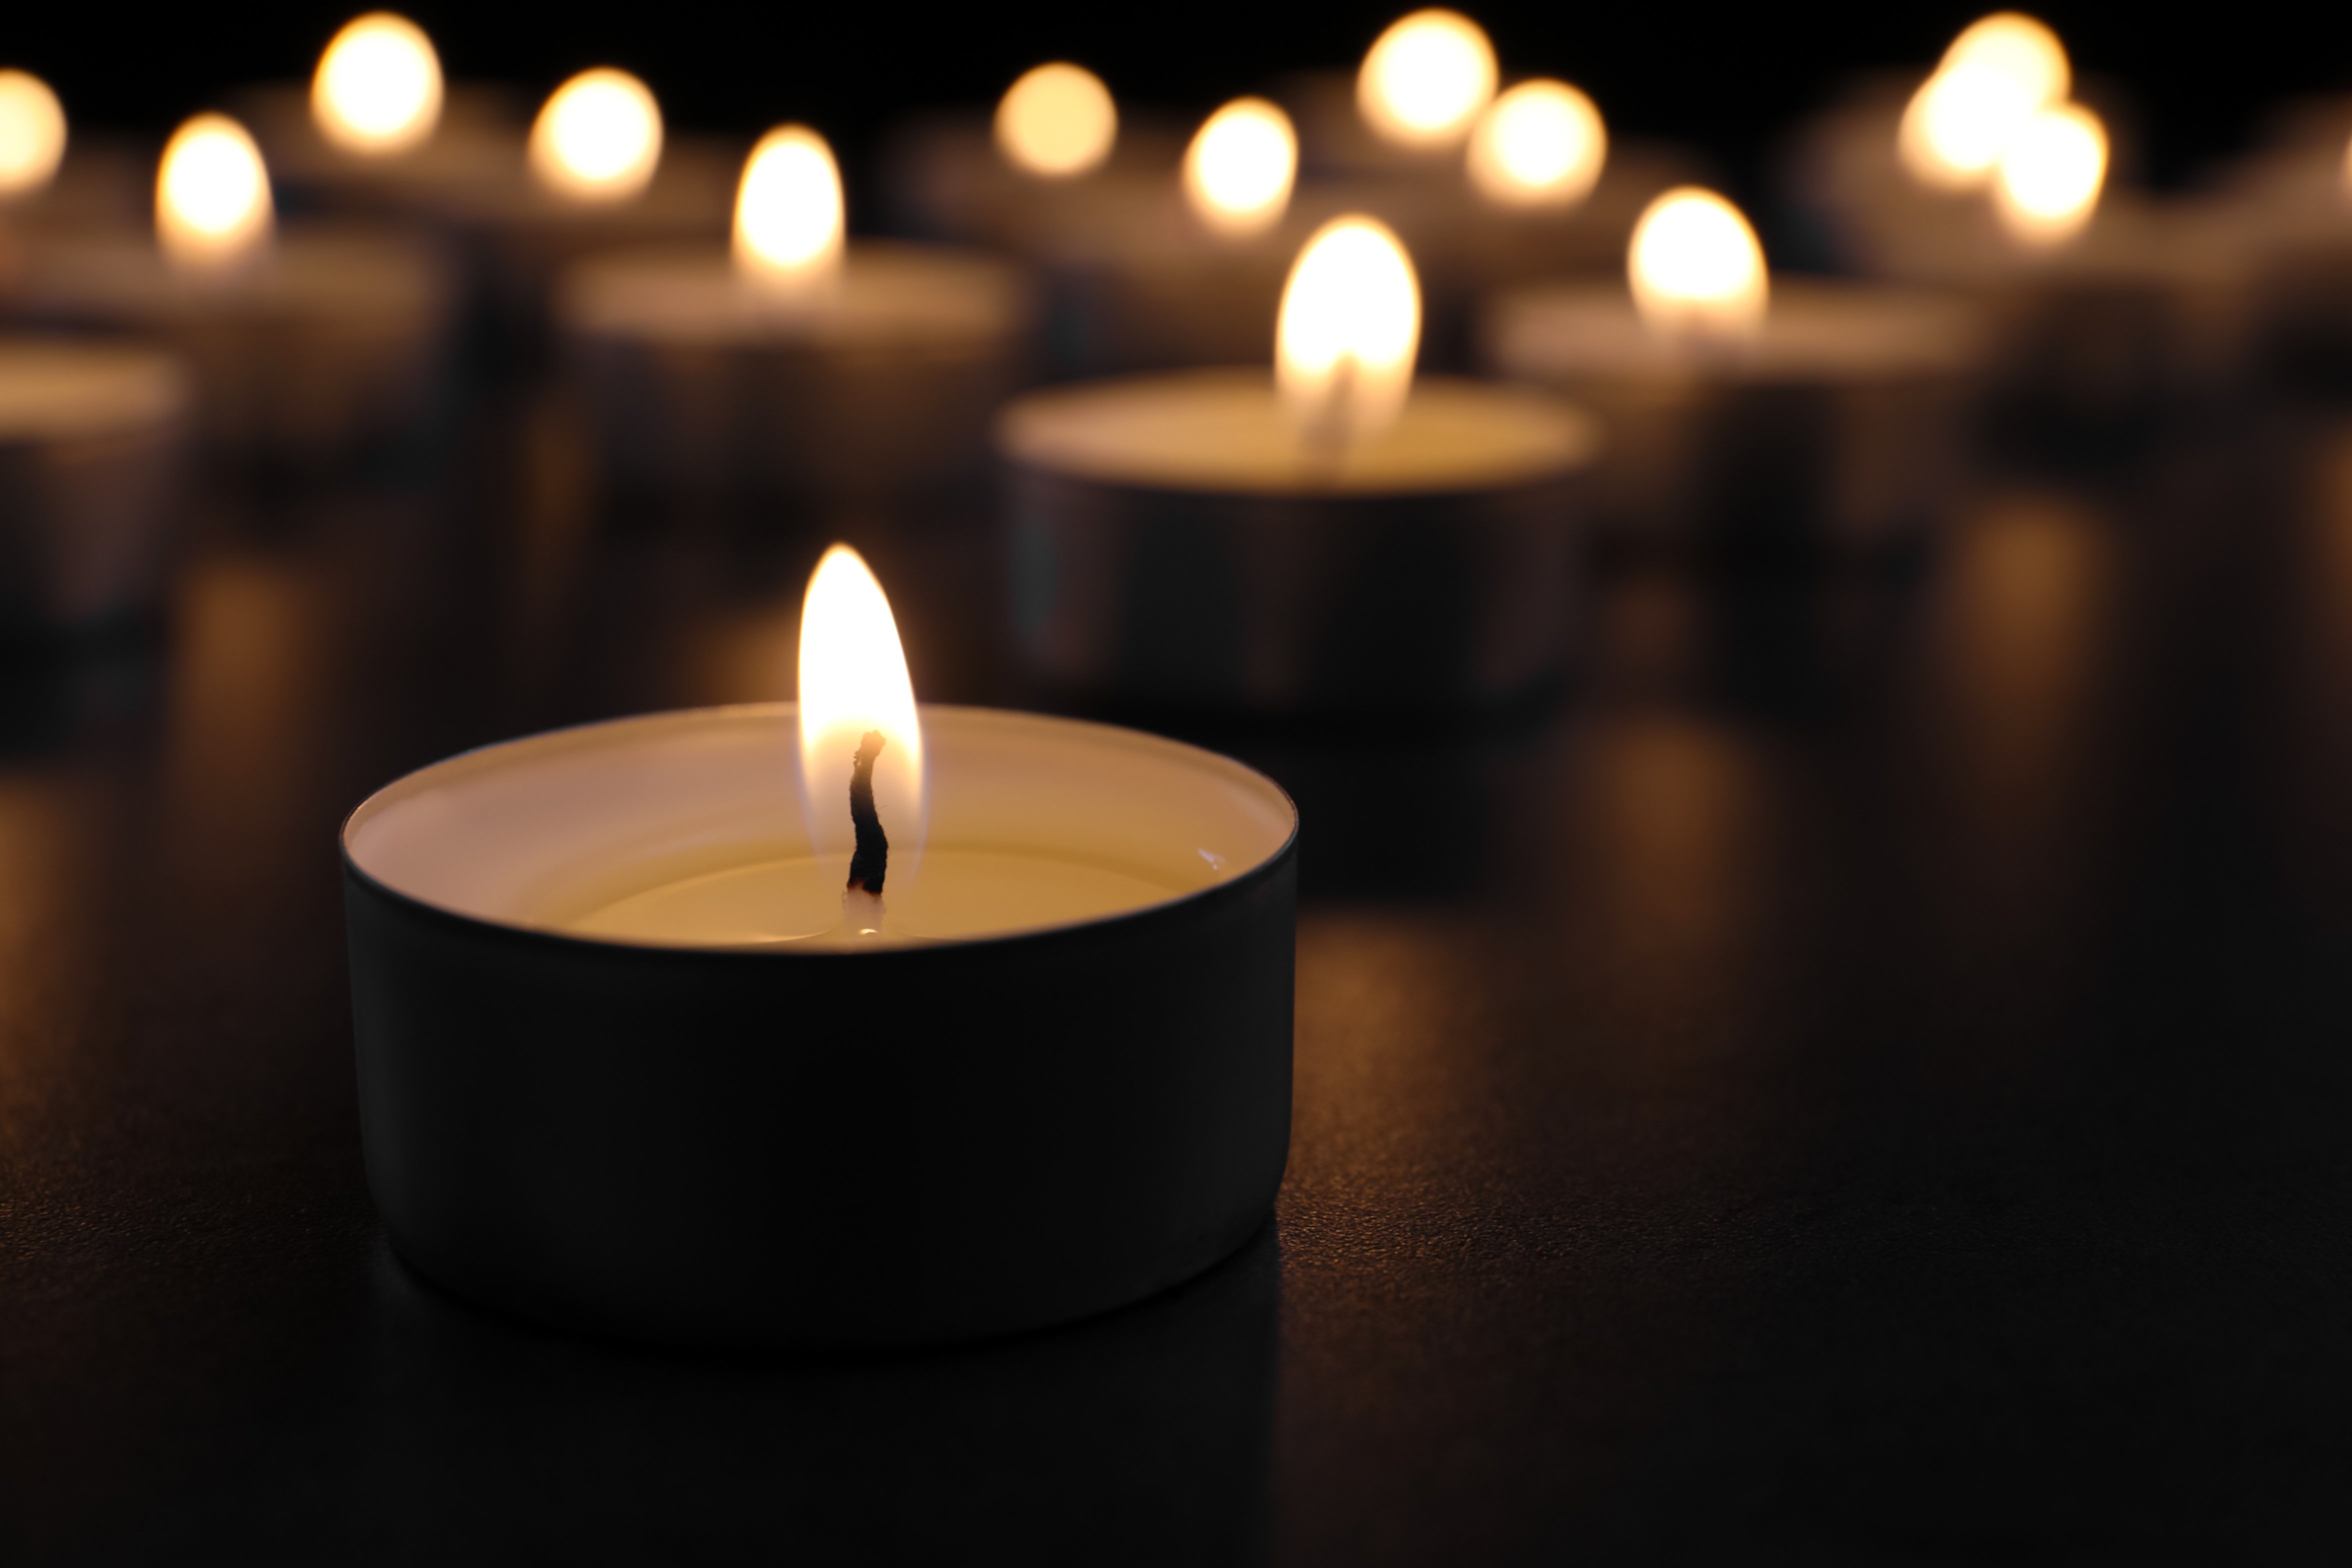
x,y
1426,79
1194,278
378,131
1335,535
1745,413
637,1004
1055,170
306,345
32,136
797,364
92,437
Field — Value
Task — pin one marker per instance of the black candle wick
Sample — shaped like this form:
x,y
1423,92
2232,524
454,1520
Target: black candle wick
x,y
871,859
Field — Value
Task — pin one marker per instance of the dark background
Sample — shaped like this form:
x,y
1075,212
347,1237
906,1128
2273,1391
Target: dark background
x,y
1730,75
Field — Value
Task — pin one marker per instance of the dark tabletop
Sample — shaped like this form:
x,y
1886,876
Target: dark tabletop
x,y
1862,1076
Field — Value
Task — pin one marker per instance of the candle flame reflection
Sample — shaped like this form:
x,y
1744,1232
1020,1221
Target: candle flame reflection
x,y
599,137
32,135
2051,174
1239,169
378,89
1424,81
853,682
1056,121
1696,270
1541,145
213,208
788,213
1350,328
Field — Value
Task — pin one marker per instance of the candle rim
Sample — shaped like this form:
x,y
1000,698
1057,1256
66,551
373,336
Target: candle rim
x,y
475,758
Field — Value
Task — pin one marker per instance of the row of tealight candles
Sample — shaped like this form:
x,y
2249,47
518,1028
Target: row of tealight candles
x,y
1420,214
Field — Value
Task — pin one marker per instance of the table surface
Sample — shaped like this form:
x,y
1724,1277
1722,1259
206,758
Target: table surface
x,y
1863,1077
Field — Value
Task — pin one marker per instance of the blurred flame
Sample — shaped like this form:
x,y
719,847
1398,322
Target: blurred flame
x,y
1697,269
1426,79
1057,121
1239,168
599,137
2020,47
32,135
1349,327
1540,144
2051,174
788,211
1997,75
853,680
212,195
378,88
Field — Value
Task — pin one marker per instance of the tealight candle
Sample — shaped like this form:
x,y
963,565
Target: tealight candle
x,y
378,131
92,438
1409,105
984,1025
1743,413
305,345
1336,536
1057,168
799,365
53,179
599,172
1196,278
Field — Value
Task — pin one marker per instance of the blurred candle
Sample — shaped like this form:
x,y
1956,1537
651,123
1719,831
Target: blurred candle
x,y
303,347
598,139
1741,417
1338,535
1696,271
788,215
1056,121
32,135
791,364
213,207
1541,145
2051,174
1240,166
1996,77
378,88
1426,79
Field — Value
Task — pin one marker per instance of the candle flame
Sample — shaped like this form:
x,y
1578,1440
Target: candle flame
x,y
32,135
1424,81
1541,145
378,89
1349,327
1239,169
1056,121
1696,270
213,208
854,683
599,137
788,212
1997,75
2051,175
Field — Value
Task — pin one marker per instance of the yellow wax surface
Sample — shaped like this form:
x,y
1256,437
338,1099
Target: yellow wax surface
x,y
954,894
1225,431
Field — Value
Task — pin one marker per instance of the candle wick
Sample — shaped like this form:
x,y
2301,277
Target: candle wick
x,y
1326,434
870,861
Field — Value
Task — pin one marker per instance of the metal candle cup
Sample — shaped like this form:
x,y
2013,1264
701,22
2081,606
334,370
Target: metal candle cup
x,y
1173,546
92,445
333,339
1840,423
777,1141
702,385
